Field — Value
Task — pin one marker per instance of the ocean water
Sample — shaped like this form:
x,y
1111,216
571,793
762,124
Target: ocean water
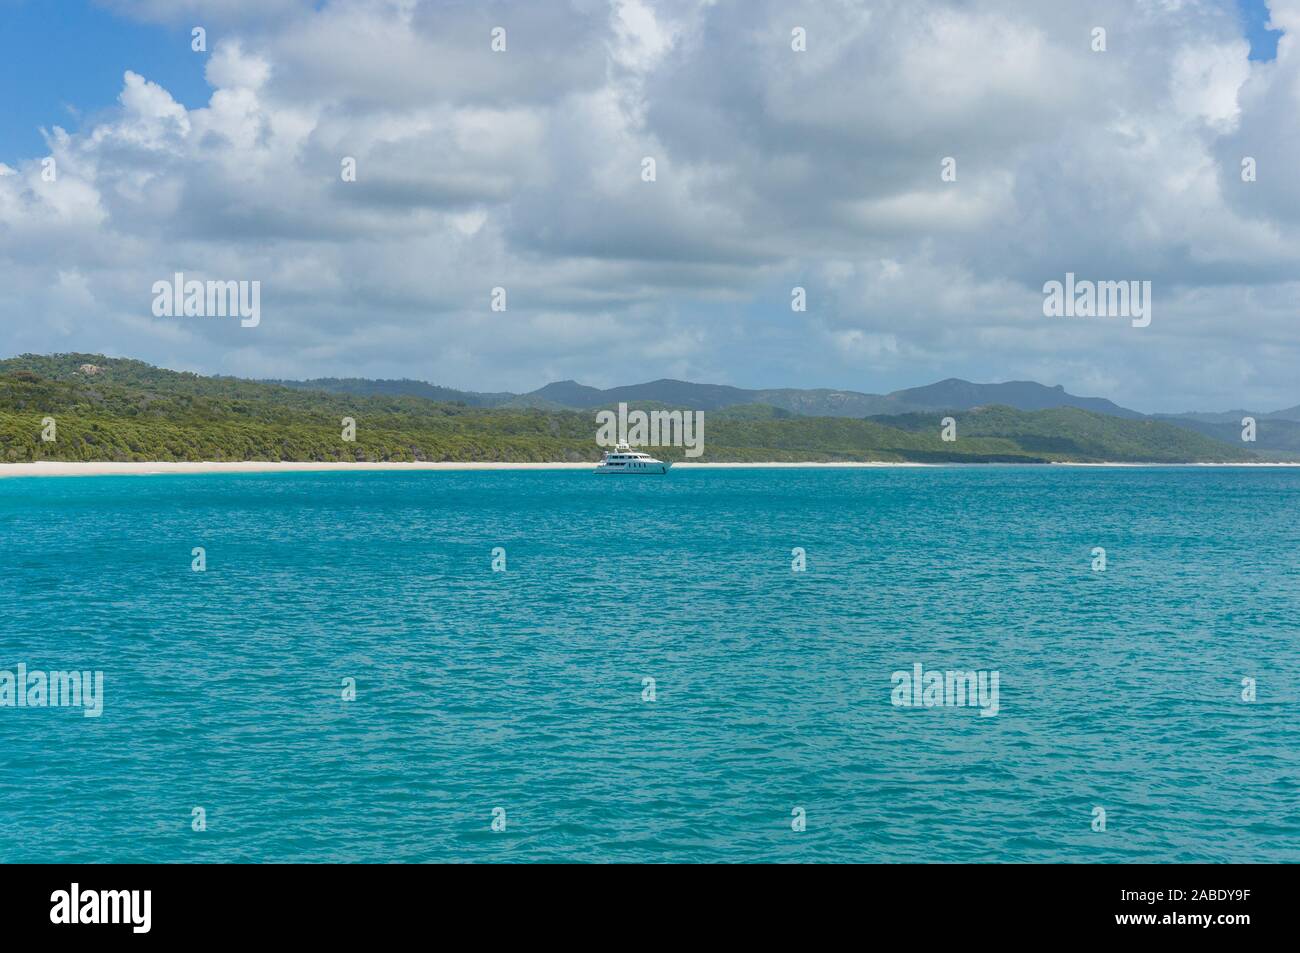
x,y
523,690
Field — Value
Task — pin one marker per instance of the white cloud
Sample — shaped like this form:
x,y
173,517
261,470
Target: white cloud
x,y
1206,81
640,39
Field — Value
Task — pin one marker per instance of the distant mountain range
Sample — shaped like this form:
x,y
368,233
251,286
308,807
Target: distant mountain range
x,y
1277,432
950,394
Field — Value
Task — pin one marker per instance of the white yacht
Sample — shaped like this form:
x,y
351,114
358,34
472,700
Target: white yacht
x,y
623,459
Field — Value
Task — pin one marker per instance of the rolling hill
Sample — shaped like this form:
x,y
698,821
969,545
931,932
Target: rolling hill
x,y
1278,439
119,409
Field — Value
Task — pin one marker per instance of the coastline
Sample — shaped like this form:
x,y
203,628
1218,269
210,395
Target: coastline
x,y
136,468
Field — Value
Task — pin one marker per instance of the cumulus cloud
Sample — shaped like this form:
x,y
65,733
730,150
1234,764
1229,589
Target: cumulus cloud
x,y
523,169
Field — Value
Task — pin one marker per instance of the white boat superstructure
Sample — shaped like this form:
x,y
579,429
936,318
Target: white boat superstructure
x,y
623,459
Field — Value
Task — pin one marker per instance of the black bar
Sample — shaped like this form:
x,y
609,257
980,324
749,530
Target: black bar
x,y
942,902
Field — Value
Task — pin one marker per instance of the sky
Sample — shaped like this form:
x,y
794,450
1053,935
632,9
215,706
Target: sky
x,y
774,168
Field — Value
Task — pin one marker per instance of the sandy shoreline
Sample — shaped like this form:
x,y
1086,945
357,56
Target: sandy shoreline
x,y
60,468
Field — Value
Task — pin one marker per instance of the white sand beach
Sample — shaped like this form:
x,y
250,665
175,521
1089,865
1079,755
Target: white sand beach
x,y
60,468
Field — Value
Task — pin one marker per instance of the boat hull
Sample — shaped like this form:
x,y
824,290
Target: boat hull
x,y
657,468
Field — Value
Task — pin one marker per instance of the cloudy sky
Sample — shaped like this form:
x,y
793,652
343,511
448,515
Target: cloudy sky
x,y
774,168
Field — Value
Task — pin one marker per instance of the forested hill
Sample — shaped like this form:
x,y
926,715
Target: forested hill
x,y
117,409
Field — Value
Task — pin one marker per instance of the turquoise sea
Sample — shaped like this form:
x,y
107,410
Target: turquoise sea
x,y
523,690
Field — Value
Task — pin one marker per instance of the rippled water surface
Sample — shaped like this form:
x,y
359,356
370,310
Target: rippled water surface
x,y
523,689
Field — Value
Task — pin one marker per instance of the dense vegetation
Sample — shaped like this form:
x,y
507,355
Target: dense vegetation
x,y
1276,436
128,410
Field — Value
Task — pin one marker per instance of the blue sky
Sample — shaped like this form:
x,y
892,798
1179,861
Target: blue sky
x,y
775,170
64,59
1263,41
